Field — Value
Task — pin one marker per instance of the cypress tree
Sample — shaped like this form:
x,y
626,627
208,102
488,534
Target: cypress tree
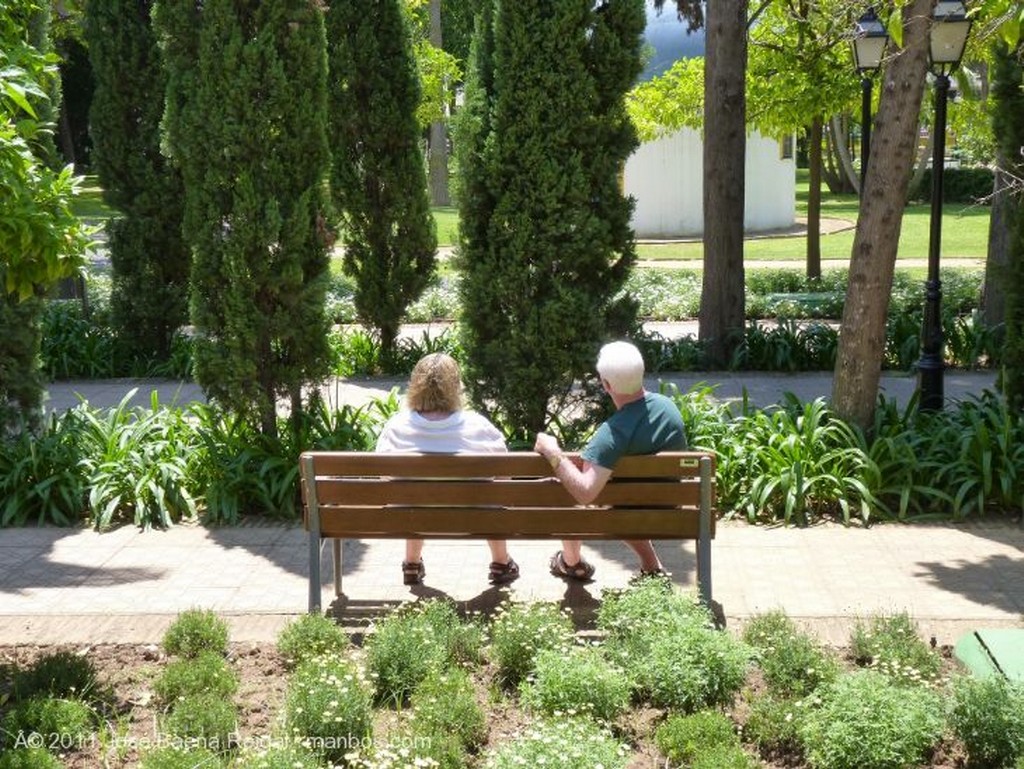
x,y
149,258
1008,127
246,118
545,246
378,177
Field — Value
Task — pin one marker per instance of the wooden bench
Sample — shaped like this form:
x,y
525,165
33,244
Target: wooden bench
x,y
363,495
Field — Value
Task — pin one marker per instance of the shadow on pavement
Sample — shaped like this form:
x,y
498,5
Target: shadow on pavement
x,y
995,579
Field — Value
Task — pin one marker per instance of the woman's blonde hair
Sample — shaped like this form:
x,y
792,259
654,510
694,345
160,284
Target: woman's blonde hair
x,y
435,384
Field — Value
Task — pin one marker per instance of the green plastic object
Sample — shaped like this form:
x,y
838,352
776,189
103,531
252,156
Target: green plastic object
x,y
993,652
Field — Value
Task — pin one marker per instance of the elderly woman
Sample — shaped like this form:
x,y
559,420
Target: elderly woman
x,y
434,421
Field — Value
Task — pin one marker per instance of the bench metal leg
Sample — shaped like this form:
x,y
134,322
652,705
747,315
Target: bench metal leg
x,y
704,533
313,524
336,543
314,570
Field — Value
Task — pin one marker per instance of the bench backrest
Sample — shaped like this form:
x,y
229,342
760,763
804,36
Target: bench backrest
x,y
368,495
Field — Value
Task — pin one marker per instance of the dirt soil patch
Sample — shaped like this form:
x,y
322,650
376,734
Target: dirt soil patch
x,y
131,719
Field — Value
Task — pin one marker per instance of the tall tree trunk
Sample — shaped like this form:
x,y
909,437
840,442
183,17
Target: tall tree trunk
x,y
873,261
921,164
1008,128
67,143
847,174
437,150
997,261
722,308
814,201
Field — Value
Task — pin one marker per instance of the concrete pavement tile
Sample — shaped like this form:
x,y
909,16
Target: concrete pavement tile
x,y
259,536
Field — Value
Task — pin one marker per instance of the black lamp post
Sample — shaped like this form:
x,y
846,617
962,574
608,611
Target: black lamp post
x,y
950,28
869,41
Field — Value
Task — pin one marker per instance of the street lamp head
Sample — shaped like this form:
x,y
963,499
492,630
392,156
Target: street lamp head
x,y
950,28
869,40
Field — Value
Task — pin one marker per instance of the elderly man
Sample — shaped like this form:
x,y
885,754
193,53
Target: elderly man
x,y
643,423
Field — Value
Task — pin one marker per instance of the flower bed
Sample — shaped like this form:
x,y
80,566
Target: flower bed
x,y
426,687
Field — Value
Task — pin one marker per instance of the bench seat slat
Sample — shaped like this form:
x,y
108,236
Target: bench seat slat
x,y
544,522
540,493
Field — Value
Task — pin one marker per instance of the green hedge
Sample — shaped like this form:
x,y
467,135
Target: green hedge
x,y
959,185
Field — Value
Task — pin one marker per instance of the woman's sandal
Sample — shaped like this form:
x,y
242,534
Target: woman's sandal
x,y
413,572
503,573
581,572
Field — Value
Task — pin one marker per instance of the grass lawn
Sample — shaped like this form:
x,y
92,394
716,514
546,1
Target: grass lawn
x,y
88,204
964,233
964,229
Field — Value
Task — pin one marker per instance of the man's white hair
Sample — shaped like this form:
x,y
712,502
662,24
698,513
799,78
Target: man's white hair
x,y
621,365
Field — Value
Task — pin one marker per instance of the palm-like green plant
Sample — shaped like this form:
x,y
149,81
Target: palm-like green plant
x,y
904,477
135,462
40,478
805,462
984,457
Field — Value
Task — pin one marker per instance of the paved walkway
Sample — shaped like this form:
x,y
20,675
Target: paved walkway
x,y
78,586
126,586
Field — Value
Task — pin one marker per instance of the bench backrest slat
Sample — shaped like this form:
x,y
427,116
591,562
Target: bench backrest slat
x,y
500,491
521,463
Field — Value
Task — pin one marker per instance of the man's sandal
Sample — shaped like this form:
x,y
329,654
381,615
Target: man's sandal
x,y
503,573
581,572
413,572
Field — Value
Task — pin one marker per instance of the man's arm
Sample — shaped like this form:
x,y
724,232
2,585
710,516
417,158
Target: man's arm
x,y
584,483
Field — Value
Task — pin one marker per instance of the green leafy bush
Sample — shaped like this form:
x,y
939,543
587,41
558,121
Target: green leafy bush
x,y
76,345
328,707
206,673
287,757
577,681
803,462
40,479
172,757
57,721
793,663
692,668
772,726
311,635
207,719
683,738
447,719
959,185
519,631
29,758
665,294
414,641
866,719
568,743
61,673
236,470
136,464
724,757
667,643
196,631
786,346
978,455
891,643
635,616
987,715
